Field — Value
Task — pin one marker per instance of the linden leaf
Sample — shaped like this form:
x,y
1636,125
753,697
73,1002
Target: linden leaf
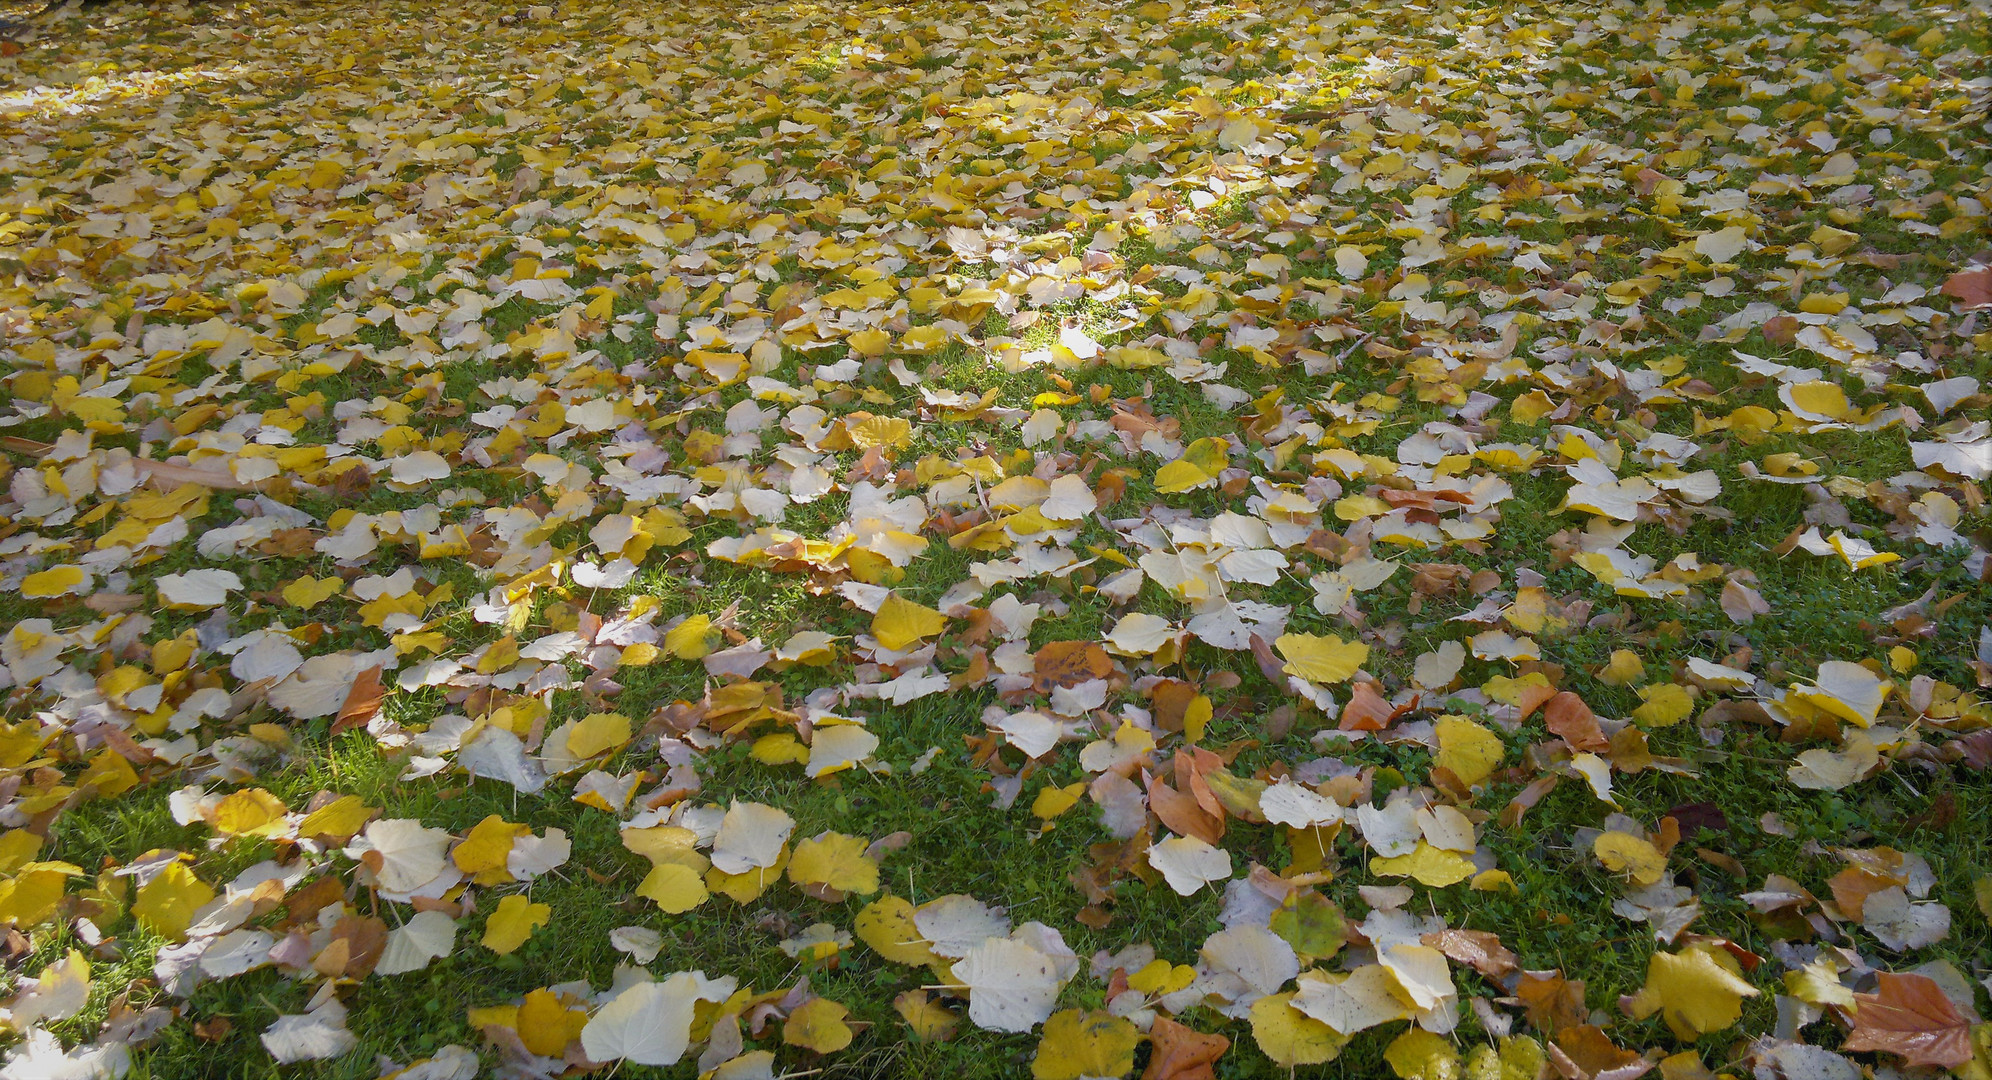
x,y
1466,749
886,924
899,623
1078,1044
1697,990
1290,1037
1420,1055
1321,659
835,862
1631,855
513,922
675,888
818,1024
166,904
1429,865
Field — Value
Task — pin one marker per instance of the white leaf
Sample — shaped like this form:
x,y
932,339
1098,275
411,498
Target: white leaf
x,y
313,1036
1012,986
430,935
1189,864
750,838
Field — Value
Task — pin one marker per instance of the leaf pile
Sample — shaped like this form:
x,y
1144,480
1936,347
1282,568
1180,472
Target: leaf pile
x,y
1330,470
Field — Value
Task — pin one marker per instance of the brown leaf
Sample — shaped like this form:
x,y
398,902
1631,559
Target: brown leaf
x,y
1368,710
1069,663
1182,1053
1584,1052
1568,716
1971,288
1553,1002
362,701
1478,949
1909,1015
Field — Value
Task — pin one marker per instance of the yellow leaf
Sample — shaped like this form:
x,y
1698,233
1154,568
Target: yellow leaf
x,y
249,812
18,847
1052,801
930,1021
818,1024
546,1024
779,748
1624,853
745,888
598,733
886,924
1847,690
1697,990
1078,1043
1162,977
308,592
166,904
1432,866
666,844
340,818
1817,399
1420,1055
868,342
1623,668
1321,658
876,431
55,581
109,774
836,861
485,848
676,888
1666,704
1291,1037
513,922
1469,751
899,623
691,639
32,897
1199,467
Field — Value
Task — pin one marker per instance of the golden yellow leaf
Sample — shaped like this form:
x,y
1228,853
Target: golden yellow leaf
x,y
1078,1043
1429,865
598,733
836,861
249,812
166,904
1290,1037
886,924
512,922
485,848
818,1024
899,623
1468,750
690,639
1321,658
1697,990
676,888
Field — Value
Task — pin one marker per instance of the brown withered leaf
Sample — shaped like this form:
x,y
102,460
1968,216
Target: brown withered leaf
x,y
1568,716
1069,663
1909,1016
1182,1052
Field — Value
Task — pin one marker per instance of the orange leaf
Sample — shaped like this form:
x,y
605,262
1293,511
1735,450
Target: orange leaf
x,y
1568,716
362,701
1182,1053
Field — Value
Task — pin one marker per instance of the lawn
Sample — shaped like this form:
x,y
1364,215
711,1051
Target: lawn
x,y
1063,539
